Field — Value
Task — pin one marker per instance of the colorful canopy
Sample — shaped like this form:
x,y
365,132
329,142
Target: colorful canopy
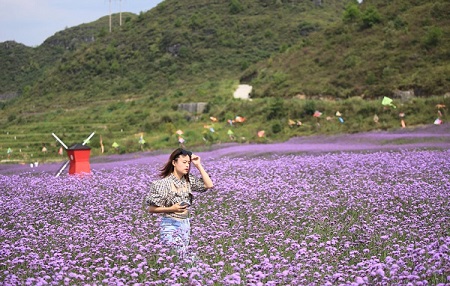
x,y
239,119
317,114
388,102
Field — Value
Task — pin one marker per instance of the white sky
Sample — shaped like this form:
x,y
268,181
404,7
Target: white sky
x,y
31,22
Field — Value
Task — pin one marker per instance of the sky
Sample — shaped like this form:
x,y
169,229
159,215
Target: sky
x,y
31,22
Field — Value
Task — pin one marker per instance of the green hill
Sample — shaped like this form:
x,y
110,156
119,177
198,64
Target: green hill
x,y
131,81
379,47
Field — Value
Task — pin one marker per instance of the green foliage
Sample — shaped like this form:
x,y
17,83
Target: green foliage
x,y
276,127
371,78
433,37
11,117
352,13
235,7
370,17
440,10
275,109
305,28
309,107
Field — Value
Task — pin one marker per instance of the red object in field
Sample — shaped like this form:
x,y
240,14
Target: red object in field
x,y
79,159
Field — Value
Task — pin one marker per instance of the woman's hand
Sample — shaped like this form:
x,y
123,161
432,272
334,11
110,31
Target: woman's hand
x,y
195,160
177,208
206,179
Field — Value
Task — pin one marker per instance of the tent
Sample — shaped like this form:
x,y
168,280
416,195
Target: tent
x,y
317,114
388,102
239,119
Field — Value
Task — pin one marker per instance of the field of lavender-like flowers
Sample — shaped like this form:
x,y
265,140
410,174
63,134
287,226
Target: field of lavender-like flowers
x,y
344,211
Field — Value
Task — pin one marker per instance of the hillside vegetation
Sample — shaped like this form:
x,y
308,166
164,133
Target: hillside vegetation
x,y
300,56
379,46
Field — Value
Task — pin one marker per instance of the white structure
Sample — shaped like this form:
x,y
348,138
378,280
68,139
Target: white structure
x,y
243,91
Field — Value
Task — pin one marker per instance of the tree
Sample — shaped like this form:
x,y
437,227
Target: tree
x,y
352,13
370,17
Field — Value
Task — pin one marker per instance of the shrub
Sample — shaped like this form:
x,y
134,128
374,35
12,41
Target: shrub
x,y
305,28
309,107
351,13
235,6
399,23
275,109
371,78
440,10
370,17
11,117
433,37
276,127
351,61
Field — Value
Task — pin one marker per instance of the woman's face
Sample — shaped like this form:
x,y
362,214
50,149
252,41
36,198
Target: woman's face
x,y
182,164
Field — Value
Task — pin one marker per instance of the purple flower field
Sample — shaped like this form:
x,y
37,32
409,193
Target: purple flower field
x,y
337,217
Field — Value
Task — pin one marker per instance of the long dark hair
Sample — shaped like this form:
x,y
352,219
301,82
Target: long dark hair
x,y
168,167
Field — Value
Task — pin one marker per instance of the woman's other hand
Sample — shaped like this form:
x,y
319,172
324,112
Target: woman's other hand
x,y
177,208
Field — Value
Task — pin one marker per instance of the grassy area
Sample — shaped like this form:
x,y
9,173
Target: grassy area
x,y
125,121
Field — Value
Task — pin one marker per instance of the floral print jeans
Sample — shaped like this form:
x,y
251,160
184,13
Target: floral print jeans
x,y
176,233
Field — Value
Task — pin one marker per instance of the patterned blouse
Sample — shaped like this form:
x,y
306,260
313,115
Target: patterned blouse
x,y
170,190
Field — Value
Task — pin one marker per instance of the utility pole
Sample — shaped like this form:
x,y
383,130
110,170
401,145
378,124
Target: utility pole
x,y
110,22
120,20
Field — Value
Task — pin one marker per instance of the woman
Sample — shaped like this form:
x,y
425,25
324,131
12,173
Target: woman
x,y
172,196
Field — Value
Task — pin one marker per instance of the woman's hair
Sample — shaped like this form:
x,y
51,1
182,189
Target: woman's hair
x,y
168,167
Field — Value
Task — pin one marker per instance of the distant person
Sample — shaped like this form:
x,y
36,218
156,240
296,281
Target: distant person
x,y
9,152
231,135
142,142
375,119
181,142
172,196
